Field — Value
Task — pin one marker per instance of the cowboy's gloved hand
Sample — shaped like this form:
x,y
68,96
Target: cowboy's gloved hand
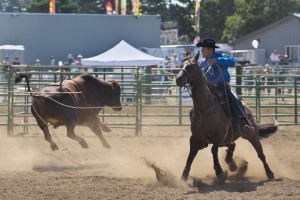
x,y
213,61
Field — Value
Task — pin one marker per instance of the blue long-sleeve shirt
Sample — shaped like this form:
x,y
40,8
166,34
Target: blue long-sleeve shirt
x,y
212,71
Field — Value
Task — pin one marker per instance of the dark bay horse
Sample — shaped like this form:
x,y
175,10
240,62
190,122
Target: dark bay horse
x,y
211,125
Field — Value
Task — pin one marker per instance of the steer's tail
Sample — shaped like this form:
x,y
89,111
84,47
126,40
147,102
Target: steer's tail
x,y
19,78
266,130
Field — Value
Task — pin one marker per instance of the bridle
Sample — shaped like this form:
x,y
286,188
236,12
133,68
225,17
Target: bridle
x,y
188,74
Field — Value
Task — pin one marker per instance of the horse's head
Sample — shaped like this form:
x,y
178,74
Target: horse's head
x,y
189,71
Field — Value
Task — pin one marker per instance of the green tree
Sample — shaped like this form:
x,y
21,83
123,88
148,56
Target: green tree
x,y
92,6
168,11
185,14
12,6
251,15
61,6
213,15
155,7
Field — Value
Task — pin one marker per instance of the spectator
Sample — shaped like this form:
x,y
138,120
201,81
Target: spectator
x,y
52,61
259,75
78,59
270,80
183,55
248,81
37,62
16,61
174,63
37,65
162,72
5,61
5,64
274,57
70,60
290,81
280,81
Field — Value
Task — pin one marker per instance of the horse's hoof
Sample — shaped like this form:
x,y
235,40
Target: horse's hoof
x,y
222,177
197,182
270,175
232,166
185,174
184,178
84,144
53,147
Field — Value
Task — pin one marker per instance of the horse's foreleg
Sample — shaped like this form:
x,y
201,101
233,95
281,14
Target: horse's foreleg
x,y
258,147
231,164
217,166
190,159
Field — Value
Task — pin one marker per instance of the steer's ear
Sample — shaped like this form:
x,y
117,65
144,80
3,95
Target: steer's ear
x,y
114,84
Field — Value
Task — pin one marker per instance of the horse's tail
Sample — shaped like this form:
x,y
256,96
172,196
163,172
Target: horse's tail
x,y
266,130
19,78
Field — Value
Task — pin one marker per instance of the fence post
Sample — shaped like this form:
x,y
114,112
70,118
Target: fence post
x,y
258,89
10,103
138,100
180,106
238,70
148,81
296,100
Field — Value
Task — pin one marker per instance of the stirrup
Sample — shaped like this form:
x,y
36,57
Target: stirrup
x,y
245,129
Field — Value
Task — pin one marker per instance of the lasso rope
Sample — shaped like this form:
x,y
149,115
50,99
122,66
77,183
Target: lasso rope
x,y
65,149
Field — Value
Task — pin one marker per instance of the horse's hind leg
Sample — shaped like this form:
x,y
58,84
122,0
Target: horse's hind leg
x,y
190,159
258,147
229,160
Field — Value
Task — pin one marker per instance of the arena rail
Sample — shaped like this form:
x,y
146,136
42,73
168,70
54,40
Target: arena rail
x,y
147,101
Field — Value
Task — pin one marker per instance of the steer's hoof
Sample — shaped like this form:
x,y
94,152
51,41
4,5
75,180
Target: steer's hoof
x,y
105,128
106,145
84,144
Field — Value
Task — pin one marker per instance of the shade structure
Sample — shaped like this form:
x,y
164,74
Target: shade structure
x,y
123,54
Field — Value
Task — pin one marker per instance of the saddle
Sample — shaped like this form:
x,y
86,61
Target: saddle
x,y
221,98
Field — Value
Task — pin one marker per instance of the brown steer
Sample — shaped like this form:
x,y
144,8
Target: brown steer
x,y
74,102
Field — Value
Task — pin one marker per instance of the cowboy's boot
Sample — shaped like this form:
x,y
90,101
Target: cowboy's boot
x,y
245,128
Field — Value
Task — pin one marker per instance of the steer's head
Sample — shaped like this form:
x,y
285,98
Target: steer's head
x,y
115,100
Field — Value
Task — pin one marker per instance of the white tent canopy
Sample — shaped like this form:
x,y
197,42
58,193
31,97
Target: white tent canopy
x,y
12,51
12,47
123,54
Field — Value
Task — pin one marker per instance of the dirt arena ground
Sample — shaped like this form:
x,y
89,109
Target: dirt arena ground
x,y
30,170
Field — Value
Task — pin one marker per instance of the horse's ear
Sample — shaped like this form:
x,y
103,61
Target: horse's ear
x,y
196,57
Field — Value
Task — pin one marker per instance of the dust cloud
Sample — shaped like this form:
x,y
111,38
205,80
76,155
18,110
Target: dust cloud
x,y
127,157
